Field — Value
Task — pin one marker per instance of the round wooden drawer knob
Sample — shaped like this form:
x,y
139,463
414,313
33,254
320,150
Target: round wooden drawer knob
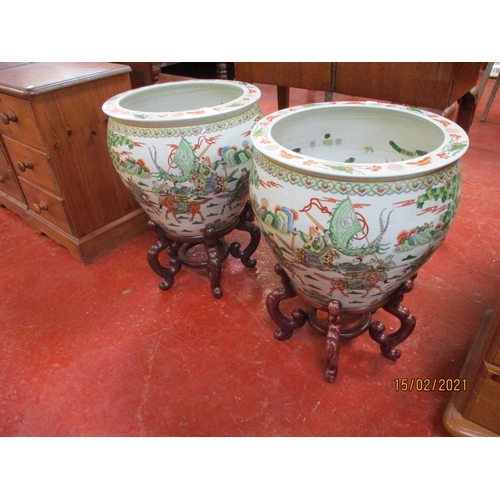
x,y
38,207
8,117
23,165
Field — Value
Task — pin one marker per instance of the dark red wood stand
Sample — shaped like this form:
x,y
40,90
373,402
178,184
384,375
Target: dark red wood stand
x,y
339,324
207,251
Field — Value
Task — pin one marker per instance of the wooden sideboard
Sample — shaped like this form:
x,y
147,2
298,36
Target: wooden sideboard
x,y
55,169
476,411
434,85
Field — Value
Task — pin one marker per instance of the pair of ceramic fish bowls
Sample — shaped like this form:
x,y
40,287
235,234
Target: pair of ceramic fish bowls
x,y
351,197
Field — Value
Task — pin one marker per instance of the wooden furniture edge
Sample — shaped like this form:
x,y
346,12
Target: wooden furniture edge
x,y
453,421
91,246
41,89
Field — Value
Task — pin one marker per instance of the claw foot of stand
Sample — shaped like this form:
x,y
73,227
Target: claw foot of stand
x,y
172,248
388,342
287,325
245,223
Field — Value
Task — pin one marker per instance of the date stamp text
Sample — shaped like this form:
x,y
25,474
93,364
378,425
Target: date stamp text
x,y
430,384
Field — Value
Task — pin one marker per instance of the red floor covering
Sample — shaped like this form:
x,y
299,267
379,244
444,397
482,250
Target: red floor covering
x,y
100,350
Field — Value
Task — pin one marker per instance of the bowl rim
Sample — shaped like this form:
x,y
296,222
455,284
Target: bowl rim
x,y
250,95
443,156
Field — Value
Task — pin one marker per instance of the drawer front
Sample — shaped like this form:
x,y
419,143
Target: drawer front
x,y
31,164
3,159
486,408
46,205
8,184
17,120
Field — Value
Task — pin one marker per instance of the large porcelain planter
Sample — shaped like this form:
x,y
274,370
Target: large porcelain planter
x,y
183,150
354,197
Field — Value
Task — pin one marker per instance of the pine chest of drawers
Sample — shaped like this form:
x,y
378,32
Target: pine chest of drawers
x,y
55,170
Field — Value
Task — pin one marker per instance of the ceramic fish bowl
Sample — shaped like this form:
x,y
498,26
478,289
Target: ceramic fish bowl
x,y
354,197
183,150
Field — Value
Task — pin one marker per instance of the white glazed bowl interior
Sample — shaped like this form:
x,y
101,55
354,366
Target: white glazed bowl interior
x,y
357,134
184,103
165,99
369,140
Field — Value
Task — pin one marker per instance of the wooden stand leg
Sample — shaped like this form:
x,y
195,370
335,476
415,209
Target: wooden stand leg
x,y
333,329
333,340
181,251
175,263
388,342
287,325
214,261
246,224
347,332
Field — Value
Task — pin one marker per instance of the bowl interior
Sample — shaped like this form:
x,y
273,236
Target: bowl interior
x,y
358,134
184,96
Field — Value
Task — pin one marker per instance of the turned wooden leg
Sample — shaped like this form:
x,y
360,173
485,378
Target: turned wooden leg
x,y
333,340
283,97
388,342
246,224
172,247
347,332
287,325
214,261
221,71
466,110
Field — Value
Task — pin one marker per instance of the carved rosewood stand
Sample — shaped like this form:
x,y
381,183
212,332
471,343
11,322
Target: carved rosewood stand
x,y
189,251
337,326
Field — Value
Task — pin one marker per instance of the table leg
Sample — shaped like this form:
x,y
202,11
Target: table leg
x,y
283,97
466,110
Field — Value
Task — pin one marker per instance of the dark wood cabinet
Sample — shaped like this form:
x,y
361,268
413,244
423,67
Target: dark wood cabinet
x,y
55,169
435,85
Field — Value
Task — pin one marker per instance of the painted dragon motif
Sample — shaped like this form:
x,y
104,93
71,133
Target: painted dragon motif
x,y
344,225
184,159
